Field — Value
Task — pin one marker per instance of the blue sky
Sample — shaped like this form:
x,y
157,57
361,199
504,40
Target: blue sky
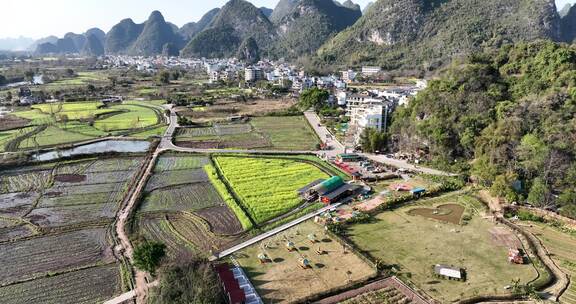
x,y
40,18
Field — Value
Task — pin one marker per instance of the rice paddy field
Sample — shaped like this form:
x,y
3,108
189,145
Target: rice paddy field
x,y
55,221
281,279
290,133
267,188
414,241
184,210
562,247
56,124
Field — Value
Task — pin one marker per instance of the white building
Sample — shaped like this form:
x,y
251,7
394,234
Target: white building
x,y
371,70
348,76
253,74
367,112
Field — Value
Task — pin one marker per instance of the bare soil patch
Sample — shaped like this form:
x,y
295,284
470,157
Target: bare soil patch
x,y
502,236
221,220
224,108
9,122
70,178
450,213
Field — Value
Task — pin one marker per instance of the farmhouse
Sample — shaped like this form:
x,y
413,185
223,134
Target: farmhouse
x,y
328,191
450,272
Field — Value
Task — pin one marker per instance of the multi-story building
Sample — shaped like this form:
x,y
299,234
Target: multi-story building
x,y
371,70
366,112
348,76
253,74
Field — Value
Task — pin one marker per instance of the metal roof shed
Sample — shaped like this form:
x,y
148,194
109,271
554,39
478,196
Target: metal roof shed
x,y
329,185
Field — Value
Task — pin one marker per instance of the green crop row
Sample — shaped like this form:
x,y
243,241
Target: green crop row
x,y
227,197
267,188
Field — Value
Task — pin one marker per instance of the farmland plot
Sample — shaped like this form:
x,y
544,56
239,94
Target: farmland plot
x,y
158,228
39,256
25,180
187,197
15,232
196,231
71,215
221,219
176,177
170,163
267,187
17,203
86,286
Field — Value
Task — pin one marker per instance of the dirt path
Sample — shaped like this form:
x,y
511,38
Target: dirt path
x,y
560,279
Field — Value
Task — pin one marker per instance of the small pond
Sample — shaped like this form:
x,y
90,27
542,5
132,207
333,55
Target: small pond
x,y
119,146
451,213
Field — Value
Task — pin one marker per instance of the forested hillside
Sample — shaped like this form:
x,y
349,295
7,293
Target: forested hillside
x,y
507,117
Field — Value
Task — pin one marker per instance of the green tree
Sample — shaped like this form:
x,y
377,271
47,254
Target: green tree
x,y
29,75
164,77
193,283
313,98
539,193
371,140
502,187
148,256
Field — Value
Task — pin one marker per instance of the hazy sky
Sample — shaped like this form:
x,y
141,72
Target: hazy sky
x,y
40,18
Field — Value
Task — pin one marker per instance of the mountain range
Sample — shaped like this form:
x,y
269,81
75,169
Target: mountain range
x,y
390,33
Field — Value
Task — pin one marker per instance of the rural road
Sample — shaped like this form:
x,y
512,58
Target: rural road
x,y
326,135
272,232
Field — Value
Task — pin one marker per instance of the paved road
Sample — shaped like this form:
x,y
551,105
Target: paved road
x,y
405,165
324,133
273,232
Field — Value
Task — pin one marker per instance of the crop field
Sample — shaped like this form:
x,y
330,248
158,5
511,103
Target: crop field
x,y
189,197
87,286
562,247
38,256
52,136
287,132
169,163
282,280
55,124
54,230
414,244
273,133
16,232
184,210
159,229
267,187
224,108
133,117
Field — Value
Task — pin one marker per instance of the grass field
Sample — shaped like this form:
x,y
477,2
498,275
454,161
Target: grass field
x,y
282,280
267,187
52,136
562,247
415,244
287,133
134,117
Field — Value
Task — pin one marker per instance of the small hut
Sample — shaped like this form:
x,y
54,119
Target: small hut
x,y
290,246
305,263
